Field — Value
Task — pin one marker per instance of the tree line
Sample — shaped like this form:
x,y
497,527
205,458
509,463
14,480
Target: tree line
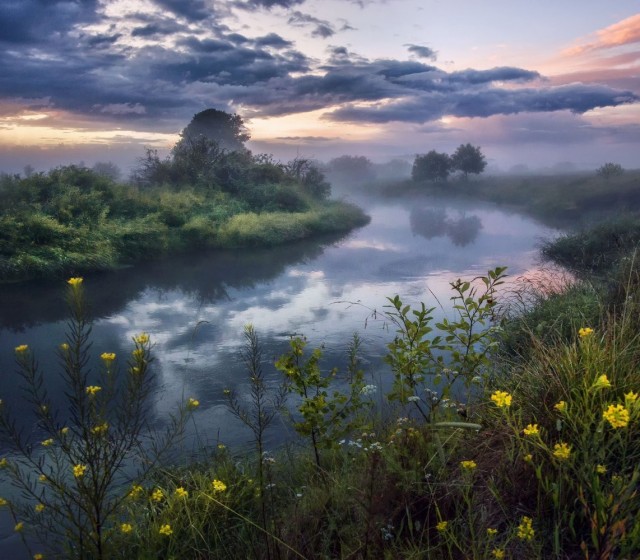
x,y
437,166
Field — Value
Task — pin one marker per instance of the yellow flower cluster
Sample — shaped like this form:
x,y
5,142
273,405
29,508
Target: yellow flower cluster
x,y
78,470
47,442
531,430
502,399
126,528
491,532
39,508
601,469
64,347
560,406
442,526
181,492
602,382
135,491
21,349
19,526
525,529
108,357
157,495
166,530
218,486
468,465
585,331
630,399
100,429
91,390
617,415
73,282
561,451
497,553
38,556
142,338
3,463
3,502
192,404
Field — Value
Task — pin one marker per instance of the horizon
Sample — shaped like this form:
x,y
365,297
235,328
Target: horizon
x,y
100,80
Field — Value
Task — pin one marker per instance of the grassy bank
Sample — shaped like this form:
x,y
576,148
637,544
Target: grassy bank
x,y
487,448
555,200
72,220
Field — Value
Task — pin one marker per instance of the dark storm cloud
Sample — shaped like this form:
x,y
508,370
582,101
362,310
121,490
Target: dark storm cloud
x,y
322,28
430,106
192,10
268,4
36,21
273,40
422,52
203,63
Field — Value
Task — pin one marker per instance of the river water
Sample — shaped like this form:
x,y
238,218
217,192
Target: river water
x,y
195,307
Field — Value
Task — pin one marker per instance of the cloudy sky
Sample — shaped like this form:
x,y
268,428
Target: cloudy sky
x,y
531,82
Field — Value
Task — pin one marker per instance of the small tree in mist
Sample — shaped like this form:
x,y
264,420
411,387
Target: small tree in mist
x,y
610,170
468,159
432,166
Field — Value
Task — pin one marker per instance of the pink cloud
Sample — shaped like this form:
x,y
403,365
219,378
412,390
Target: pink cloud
x,y
624,32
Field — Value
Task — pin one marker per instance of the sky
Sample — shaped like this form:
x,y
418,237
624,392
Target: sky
x,y
535,83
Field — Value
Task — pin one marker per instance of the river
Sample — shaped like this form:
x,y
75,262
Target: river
x,y
195,306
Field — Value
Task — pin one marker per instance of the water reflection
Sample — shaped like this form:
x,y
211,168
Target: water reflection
x,y
436,222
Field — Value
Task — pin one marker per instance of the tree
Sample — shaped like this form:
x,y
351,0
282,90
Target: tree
x,y
468,159
351,169
433,166
107,169
227,130
609,170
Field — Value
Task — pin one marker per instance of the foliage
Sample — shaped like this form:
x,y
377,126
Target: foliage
x,y
326,416
353,170
227,130
468,159
609,170
77,480
432,166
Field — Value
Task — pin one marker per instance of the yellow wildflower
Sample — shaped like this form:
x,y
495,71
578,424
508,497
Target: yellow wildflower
x,y
602,382
38,556
630,399
560,406
142,338
42,478
47,442
221,446
218,486
525,529
138,353
442,526
108,357
64,347
39,508
79,470
531,430
528,458
502,399
126,528
561,451
135,491
166,530
19,526
192,404
3,463
21,349
468,465
91,390
585,331
491,532
497,553
74,281
181,492
3,502
157,495
64,431
617,415
601,469
100,429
